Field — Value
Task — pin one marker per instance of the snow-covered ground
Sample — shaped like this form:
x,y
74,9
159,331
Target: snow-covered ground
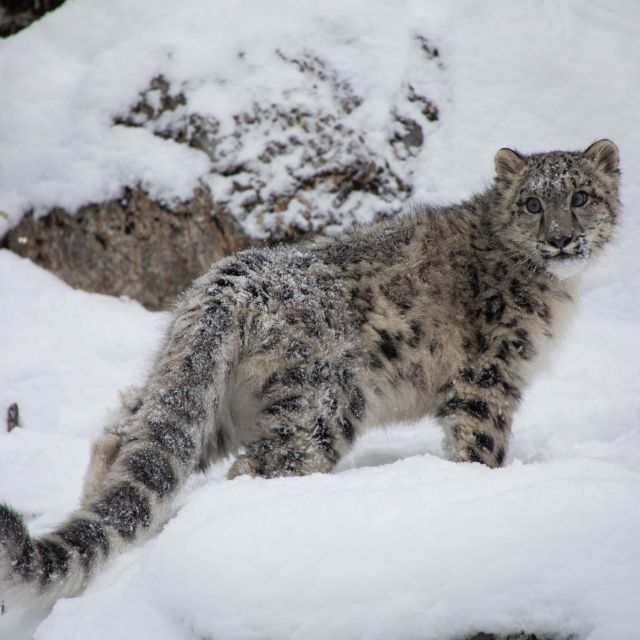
x,y
397,543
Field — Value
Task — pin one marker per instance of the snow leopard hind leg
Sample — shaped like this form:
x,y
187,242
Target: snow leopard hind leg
x,y
301,378
105,448
305,426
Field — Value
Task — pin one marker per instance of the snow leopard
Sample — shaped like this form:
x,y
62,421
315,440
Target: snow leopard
x,y
284,356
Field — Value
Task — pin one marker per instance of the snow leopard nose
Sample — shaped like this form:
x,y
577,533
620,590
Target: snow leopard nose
x,y
559,241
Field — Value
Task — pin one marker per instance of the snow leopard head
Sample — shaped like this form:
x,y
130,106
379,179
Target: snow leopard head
x,y
558,209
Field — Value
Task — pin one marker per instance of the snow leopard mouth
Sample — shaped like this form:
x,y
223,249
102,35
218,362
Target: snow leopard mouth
x,y
563,255
577,251
565,265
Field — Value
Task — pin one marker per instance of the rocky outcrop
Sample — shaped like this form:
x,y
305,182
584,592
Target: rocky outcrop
x,y
16,15
283,169
284,166
131,247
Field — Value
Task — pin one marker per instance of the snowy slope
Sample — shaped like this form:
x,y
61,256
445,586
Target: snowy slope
x,y
397,543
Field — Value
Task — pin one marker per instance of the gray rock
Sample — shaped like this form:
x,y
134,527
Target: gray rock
x,y
279,172
16,15
131,247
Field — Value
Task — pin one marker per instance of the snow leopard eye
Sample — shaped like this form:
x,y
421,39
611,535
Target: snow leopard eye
x,y
533,205
578,199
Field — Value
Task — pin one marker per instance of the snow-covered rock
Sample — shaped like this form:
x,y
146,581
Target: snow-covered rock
x,y
289,127
132,246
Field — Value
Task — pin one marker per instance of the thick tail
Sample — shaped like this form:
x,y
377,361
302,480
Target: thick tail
x,y
132,476
136,468
124,501
55,565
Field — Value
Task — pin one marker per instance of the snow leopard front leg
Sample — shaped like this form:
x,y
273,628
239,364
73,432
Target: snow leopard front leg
x,y
476,409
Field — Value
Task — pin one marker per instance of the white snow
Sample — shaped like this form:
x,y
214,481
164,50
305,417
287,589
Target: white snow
x,y
398,542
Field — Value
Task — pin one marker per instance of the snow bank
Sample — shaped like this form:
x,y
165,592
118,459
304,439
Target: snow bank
x,y
397,542
419,549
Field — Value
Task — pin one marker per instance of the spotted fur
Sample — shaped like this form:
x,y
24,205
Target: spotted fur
x,y
285,355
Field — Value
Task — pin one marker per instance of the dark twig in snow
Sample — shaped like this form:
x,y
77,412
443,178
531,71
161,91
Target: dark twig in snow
x,y
13,417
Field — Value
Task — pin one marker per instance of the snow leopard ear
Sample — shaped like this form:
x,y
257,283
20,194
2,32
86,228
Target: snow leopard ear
x,y
508,163
604,155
